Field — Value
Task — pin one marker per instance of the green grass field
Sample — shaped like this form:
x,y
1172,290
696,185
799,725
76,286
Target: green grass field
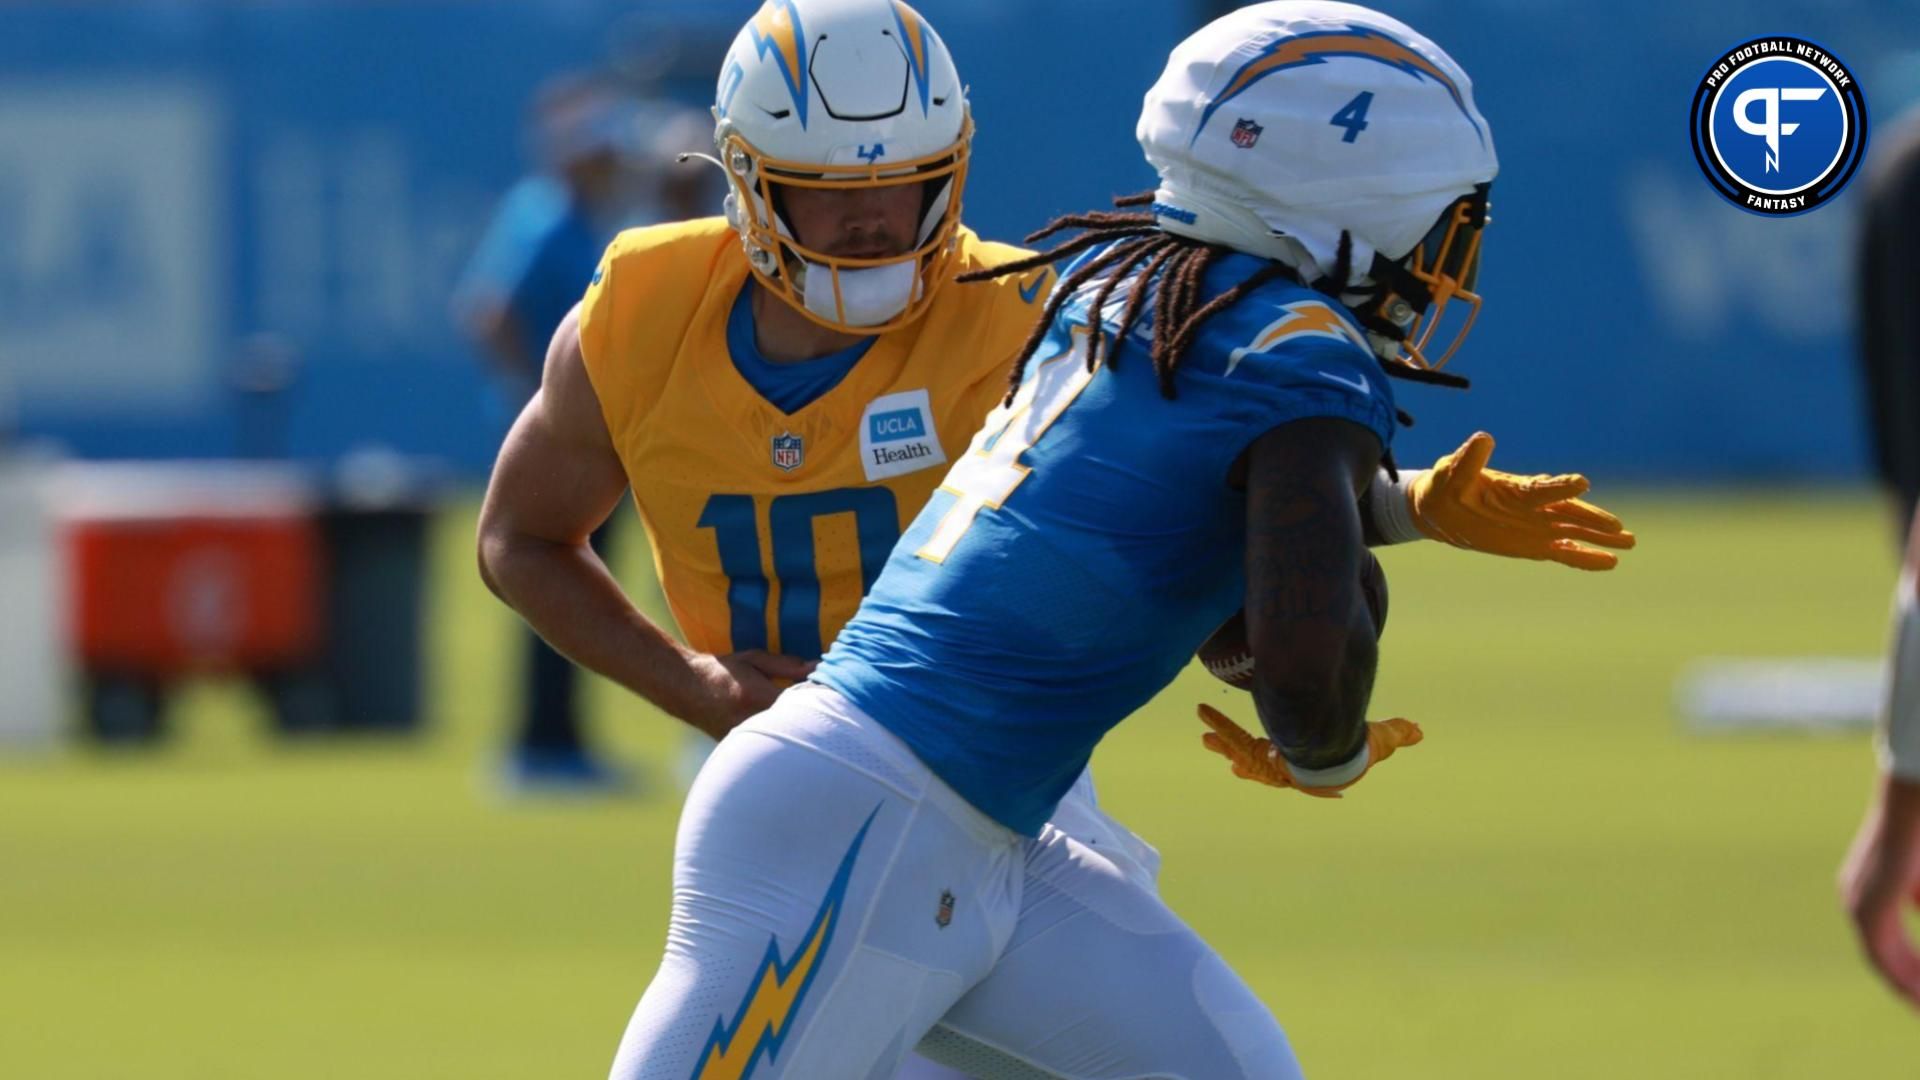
x,y
1558,883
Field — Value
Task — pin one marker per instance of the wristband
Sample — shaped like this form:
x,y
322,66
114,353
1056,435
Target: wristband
x,y
1333,775
1390,505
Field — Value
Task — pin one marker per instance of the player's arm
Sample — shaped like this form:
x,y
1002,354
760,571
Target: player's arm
x,y
1309,628
1308,625
1882,870
1459,501
557,478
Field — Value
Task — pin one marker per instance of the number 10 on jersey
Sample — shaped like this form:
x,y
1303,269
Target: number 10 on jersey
x,y
791,520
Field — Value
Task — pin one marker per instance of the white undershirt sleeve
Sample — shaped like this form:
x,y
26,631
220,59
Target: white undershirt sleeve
x,y
1899,743
1391,509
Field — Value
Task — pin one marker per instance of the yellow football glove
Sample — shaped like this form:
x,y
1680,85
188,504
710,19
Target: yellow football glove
x,y
1254,758
1462,502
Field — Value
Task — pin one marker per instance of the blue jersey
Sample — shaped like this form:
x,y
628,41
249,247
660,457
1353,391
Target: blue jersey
x,y
1088,541
537,258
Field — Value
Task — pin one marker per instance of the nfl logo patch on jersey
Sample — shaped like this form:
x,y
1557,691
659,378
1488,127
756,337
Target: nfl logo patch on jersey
x,y
1246,133
789,450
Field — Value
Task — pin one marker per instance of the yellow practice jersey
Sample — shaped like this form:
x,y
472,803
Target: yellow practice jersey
x,y
768,527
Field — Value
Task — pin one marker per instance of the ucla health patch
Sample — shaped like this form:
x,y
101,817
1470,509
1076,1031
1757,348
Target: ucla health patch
x,y
897,436
1779,125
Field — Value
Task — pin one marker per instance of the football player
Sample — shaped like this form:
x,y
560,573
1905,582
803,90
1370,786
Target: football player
x,y
783,387
1882,872
883,859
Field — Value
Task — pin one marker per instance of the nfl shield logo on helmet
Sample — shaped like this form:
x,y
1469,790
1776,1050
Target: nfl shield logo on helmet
x,y
1246,133
788,451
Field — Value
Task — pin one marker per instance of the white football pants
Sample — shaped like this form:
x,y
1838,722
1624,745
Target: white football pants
x,y
836,904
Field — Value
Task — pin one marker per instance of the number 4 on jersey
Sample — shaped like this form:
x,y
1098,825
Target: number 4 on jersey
x,y
986,475
1353,116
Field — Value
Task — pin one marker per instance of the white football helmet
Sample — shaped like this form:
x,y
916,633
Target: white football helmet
x,y
826,93
1283,127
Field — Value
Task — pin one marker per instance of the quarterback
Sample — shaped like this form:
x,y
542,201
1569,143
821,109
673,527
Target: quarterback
x,y
904,850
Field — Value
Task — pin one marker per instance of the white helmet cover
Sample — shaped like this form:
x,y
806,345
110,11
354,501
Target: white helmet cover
x,y
1283,126
839,93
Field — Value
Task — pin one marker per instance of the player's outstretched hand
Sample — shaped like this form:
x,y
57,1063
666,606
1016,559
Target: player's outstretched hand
x,y
1255,758
1878,880
738,685
1462,502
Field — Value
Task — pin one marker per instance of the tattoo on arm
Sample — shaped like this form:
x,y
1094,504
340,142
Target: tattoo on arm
x,y
1309,627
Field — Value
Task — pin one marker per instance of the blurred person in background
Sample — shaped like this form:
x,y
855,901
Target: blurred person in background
x,y
1882,869
600,151
1887,280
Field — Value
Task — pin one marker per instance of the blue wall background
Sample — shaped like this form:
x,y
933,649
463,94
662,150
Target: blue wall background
x,y
188,187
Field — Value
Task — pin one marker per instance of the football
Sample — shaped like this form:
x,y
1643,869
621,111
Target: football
x,y
1226,656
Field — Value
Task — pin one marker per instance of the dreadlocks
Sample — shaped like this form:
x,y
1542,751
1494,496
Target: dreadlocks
x,y
1179,265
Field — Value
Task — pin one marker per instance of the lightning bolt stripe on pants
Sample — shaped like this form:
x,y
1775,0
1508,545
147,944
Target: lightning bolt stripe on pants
x,y
764,1020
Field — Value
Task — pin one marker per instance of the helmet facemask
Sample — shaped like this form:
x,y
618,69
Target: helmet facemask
x,y
851,295
1434,286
